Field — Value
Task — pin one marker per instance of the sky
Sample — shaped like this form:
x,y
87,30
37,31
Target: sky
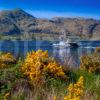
x,y
55,8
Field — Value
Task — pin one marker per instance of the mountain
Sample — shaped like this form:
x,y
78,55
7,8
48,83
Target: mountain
x,y
21,24
15,21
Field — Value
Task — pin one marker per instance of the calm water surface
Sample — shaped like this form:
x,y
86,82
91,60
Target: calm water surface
x,y
67,55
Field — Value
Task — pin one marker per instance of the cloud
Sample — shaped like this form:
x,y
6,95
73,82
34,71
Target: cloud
x,y
50,14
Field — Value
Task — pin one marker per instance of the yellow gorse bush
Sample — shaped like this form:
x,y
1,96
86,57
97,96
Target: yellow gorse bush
x,y
90,63
6,59
97,49
38,64
75,91
6,96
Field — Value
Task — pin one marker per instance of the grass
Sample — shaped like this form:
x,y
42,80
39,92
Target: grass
x,y
15,86
13,82
20,89
92,84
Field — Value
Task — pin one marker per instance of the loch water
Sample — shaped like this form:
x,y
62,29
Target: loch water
x,y
69,55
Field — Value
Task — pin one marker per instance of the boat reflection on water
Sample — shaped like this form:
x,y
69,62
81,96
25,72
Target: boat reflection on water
x,y
67,56
70,56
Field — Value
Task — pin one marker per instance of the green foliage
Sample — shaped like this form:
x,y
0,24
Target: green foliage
x,y
18,96
8,77
15,86
92,82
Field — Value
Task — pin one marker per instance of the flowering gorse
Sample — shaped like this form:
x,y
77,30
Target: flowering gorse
x,y
38,65
6,59
75,91
97,49
90,63
6,96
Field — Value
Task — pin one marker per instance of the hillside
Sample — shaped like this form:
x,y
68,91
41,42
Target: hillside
x,y
18,24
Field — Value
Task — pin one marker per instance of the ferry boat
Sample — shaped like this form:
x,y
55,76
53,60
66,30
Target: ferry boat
x,y
68,41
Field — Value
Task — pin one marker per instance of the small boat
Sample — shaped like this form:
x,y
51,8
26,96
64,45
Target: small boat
x,y
69,43
67,40
73,42
61,43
